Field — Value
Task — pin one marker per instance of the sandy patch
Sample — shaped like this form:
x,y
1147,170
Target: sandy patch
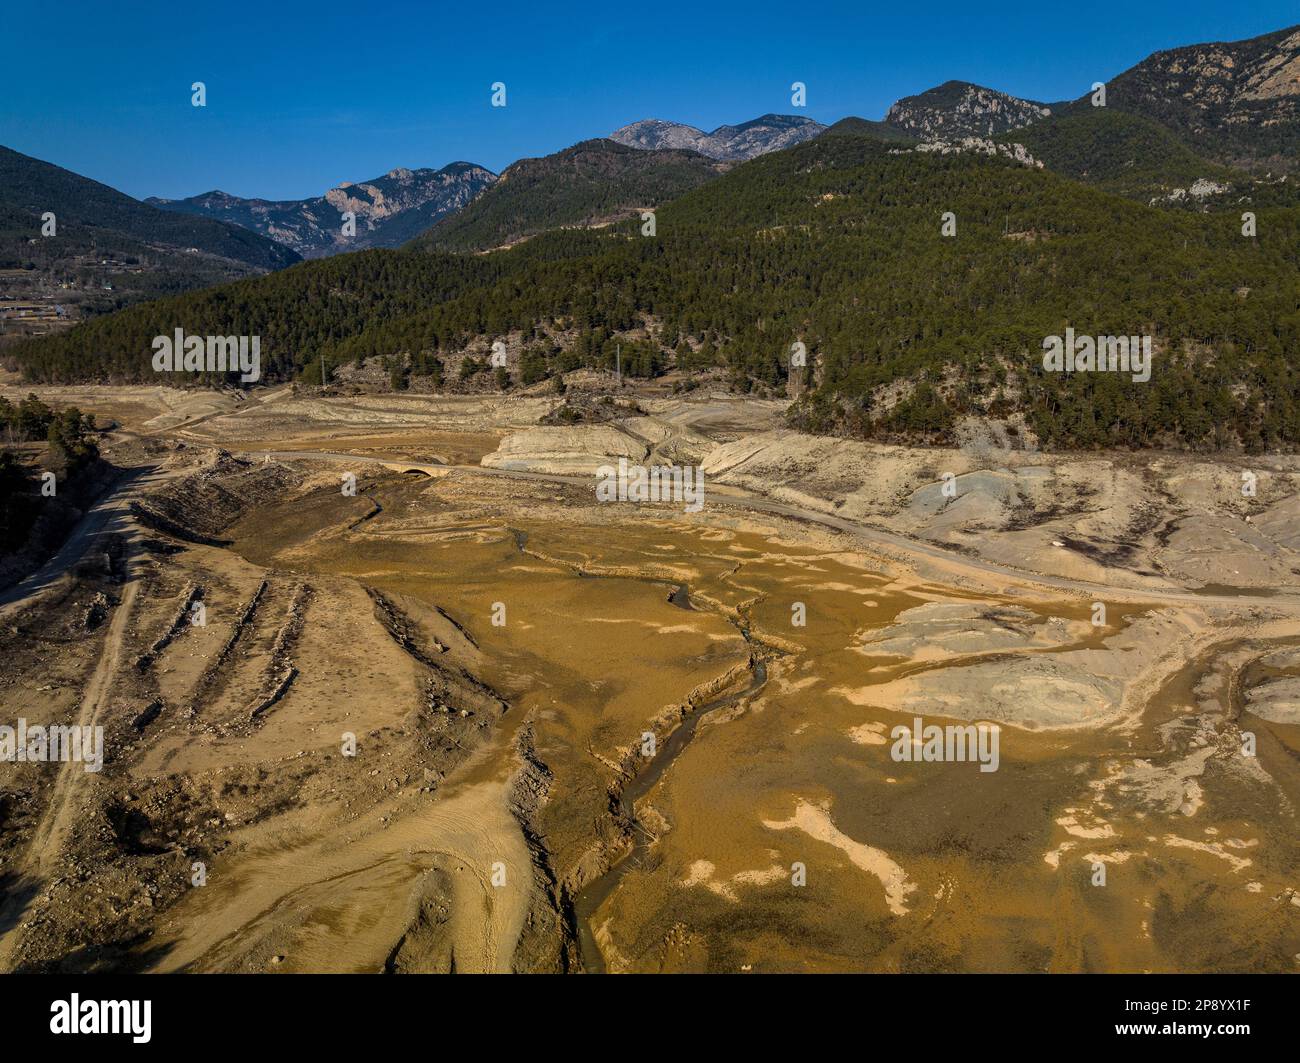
x,y
816,823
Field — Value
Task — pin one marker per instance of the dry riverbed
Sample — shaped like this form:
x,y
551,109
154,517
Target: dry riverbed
x,y
477,720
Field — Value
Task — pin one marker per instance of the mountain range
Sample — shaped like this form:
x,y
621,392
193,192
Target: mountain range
x,y
1125,218
604,178
730,143
388,211
1200,108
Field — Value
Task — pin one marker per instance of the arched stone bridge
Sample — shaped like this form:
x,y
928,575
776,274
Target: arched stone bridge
x,y
425,468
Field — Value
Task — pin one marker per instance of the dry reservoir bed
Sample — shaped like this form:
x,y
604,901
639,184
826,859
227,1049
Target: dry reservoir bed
x,y
475,722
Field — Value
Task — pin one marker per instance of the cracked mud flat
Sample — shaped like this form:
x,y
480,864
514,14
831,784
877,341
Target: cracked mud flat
x,y
499,813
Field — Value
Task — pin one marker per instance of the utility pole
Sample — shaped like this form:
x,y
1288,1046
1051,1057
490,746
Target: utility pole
x,y
618,364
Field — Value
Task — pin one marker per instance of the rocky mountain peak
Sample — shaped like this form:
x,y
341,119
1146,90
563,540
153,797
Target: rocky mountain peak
x,y
1236,102
958,109
730,143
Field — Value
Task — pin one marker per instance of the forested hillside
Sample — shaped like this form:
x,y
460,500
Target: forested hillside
x,y
1119,152
592,182
836,243
865,127
136,270
1235,102
1139,158
76,249
33,187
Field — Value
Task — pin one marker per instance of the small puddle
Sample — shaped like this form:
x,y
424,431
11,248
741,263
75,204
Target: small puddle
x,y
1223,590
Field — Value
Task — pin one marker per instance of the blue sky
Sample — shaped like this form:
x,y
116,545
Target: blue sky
x,y
304,95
